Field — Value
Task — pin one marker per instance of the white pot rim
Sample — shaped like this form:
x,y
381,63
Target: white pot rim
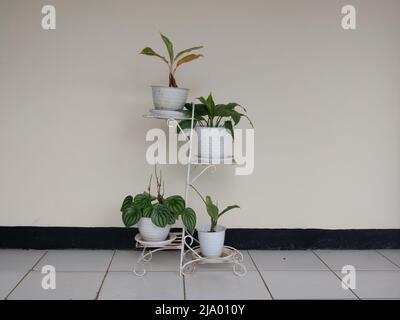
x,y
206,228
166,87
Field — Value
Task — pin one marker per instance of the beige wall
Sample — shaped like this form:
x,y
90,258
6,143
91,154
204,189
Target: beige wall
x,y
325,103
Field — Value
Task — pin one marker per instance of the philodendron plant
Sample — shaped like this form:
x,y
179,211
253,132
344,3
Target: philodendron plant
x,y
213,210
173,61
162,211
209,114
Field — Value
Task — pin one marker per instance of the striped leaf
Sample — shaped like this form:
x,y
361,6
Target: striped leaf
x,y
189,219
161,216
143,200
126,203
148,211
131,215
176,204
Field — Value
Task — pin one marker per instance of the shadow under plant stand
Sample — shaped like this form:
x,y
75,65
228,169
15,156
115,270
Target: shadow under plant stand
x,y
190,255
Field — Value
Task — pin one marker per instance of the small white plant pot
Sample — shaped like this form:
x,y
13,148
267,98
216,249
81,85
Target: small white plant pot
x,y
167,98
152,233
211,243
214,144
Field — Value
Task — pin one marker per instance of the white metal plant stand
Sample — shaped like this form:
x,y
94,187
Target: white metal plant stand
x,y
190,255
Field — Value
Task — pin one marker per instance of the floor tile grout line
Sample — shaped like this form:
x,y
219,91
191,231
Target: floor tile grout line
x,y
381,254
105,276
331,270
262,278
26,274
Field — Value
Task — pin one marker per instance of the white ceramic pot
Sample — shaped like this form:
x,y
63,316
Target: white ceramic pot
x,y
150,232
211,243
214,144
167,98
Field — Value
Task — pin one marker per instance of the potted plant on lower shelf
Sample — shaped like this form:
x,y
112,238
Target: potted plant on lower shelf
x,y
154,215
171,97
212,236
214,125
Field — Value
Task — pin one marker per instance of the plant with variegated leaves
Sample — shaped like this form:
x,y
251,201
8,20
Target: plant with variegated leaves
x,y
213,210
173,61
162,211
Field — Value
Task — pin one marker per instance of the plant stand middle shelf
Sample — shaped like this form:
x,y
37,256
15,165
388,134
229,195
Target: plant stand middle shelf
x,y
190,255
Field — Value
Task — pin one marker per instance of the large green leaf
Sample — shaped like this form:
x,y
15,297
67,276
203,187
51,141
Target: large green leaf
x,y
126,203
227,209
189,219
162,216
170,48
148,211
176,204
187,51
131,215
143,200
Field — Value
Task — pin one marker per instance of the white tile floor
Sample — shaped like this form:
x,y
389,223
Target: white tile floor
x,y
106,274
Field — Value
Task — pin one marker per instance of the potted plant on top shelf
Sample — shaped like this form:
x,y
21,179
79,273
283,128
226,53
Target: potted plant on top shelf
x,y
214,124
171,97
155,214
212,236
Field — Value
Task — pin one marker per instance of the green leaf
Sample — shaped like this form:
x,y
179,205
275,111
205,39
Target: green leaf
x,y
126,203
150,52
212,209
131,215
188,58
161,216
228,125
186,51
200,110
143,200
227,209
148,211
223,111
244,115
209,103
176,204
189,219
169,46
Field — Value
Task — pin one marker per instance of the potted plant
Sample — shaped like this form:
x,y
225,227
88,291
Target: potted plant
x,y
171,97
214,125
155,214
212,236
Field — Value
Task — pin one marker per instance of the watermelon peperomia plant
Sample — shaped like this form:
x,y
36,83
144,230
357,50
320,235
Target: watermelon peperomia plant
x,y
174,61
162,211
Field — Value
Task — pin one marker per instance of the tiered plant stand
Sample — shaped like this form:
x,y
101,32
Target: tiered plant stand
x,y
190,255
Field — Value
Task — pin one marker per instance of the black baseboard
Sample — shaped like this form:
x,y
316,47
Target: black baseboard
x,y
122,238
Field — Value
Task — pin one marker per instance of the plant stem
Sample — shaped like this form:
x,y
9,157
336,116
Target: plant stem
x,y
172,81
